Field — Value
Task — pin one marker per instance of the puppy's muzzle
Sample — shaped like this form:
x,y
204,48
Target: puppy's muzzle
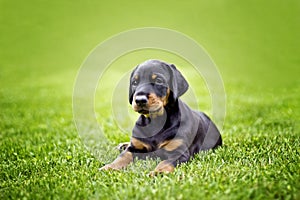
x,y
141,100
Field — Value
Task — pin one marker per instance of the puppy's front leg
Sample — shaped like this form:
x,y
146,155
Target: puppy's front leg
x,y
165,166
168,166
176,153
120,162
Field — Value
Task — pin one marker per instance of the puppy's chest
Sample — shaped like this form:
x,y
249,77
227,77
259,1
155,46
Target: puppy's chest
x,y
151,135
145,144
153,143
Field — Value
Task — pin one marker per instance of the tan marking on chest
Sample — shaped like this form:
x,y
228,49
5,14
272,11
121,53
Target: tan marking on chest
x,y
170,145
139,144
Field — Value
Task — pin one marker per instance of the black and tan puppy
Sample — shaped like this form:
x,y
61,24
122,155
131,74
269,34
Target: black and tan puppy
x,y
167,127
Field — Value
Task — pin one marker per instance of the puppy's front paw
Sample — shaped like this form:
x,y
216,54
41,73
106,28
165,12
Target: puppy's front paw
x,y
108,167
120,162
163,167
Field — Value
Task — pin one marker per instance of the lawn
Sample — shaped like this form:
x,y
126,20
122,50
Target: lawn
x,y
255,45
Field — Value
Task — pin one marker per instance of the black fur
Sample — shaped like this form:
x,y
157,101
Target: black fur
x,y
196,131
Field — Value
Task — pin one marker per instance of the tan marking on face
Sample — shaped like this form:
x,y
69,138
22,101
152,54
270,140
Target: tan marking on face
x,y
153,76
136,77
154,102
139,144
165,98
171,145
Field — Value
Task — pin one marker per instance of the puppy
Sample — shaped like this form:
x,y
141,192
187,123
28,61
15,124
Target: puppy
x,y
167,128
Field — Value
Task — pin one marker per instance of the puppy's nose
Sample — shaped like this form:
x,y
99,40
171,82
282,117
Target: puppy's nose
x,y
141,100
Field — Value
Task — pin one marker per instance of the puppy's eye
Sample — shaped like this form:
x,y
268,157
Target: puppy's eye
x,y
159,81
135,83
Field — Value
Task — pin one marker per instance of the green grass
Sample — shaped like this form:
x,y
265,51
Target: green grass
x,y
255,45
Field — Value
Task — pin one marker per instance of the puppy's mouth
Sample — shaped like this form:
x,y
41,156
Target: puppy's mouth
x,y
143,111
146,111
150,105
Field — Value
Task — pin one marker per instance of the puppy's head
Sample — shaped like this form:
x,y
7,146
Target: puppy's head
x,y
153,84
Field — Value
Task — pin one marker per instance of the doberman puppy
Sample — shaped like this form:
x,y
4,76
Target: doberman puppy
x,y
167,127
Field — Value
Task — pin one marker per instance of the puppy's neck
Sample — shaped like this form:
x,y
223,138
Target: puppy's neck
x,y
148,127
164,111
158,115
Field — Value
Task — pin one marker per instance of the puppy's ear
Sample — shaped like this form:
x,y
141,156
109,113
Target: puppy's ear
x,y
131,91
178,84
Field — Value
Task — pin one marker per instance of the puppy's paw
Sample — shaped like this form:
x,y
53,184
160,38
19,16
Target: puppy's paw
x,y
108,167
163,167
122,146
156,173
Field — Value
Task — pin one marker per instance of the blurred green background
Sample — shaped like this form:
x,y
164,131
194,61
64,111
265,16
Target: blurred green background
x,y
254,43
251,41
